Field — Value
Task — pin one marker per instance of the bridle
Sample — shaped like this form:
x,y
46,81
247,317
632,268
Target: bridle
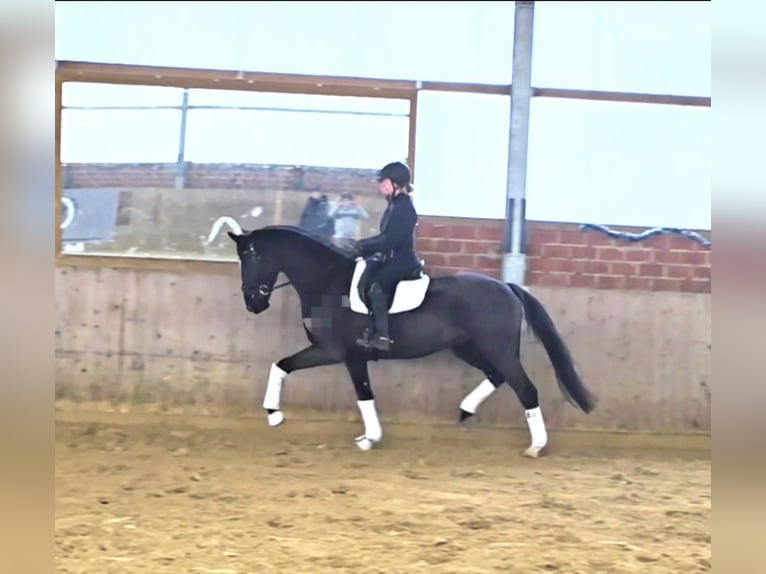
x,y
263,289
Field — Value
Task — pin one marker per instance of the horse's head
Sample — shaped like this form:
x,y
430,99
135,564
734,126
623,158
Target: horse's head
x,y
259,271
306,260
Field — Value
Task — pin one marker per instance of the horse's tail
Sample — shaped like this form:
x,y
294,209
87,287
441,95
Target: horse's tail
x,y
542,326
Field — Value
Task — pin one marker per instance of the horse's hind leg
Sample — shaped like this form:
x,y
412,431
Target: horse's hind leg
x,y
469,353
506,359
525,389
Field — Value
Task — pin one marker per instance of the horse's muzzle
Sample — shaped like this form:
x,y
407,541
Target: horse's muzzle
x,y
256,304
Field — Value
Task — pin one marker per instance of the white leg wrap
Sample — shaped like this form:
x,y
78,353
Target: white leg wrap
x,y
273,395
537,429
477,396
372,430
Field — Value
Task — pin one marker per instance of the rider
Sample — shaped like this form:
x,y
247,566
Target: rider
x,y
393,247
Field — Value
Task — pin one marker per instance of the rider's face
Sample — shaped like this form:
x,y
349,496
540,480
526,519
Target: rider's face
x,y
386,187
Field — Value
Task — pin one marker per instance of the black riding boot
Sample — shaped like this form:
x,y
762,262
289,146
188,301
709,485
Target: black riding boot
x,y
377,337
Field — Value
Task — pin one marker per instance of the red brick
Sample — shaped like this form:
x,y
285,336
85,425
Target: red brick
x,y
666,284
448,245
610,254
583,252
556,279
578,265
494,233
462,232
667,257
609,282
543,236
535,249
679,271
679,242
702,273
534,277
656,242
695,286
533,263
638,283
434,230
651,270
580,280
436,259
439,271
596,239
425,244
425,228
480,247
562,251
462,261
622,268
638,255
693,257
597,267
549,265
572,237
487,262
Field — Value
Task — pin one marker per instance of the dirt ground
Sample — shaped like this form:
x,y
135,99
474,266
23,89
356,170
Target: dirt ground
x,y
182,495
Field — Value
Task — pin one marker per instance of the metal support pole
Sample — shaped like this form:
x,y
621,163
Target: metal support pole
x,y
514,257
180,181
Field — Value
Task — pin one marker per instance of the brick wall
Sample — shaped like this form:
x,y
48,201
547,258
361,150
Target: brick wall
x,y
559,254
218,176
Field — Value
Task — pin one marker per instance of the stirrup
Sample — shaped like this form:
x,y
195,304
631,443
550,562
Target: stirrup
x,y
381,342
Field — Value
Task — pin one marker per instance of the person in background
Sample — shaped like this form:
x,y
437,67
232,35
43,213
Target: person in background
x,y
315,217
347,215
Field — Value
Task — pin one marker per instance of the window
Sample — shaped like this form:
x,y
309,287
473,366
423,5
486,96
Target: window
x,y
249,159
619,163
461,154
653,47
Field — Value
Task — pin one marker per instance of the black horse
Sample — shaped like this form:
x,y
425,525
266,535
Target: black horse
x,y
477,317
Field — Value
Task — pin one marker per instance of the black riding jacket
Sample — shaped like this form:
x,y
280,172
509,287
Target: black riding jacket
x,y
396,240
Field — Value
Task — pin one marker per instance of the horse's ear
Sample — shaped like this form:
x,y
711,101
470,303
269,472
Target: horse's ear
x,y
234,236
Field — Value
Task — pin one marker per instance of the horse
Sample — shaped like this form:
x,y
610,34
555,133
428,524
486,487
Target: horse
x,y
477,317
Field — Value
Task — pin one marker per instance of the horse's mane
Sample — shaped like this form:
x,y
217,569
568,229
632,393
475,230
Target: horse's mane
x,y
271,231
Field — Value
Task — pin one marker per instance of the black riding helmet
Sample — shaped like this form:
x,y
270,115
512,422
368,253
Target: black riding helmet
x,y
398,172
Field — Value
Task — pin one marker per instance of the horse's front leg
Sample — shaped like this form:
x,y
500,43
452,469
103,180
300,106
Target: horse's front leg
x,y
357,368
313,356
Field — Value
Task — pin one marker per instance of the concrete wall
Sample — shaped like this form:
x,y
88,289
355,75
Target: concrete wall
x,y
636,317
185,340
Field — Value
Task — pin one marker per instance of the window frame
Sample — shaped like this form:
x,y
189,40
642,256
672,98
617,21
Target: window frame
x,y
191,78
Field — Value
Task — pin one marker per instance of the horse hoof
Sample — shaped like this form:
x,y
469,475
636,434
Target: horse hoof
x,y
276,418
534,452
364,443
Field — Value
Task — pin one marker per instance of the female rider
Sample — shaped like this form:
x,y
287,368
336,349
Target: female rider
x,y
393,249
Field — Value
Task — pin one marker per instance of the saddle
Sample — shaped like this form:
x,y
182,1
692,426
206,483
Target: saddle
x,y
409,294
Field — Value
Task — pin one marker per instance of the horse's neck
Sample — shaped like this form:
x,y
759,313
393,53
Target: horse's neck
x,y
312,272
